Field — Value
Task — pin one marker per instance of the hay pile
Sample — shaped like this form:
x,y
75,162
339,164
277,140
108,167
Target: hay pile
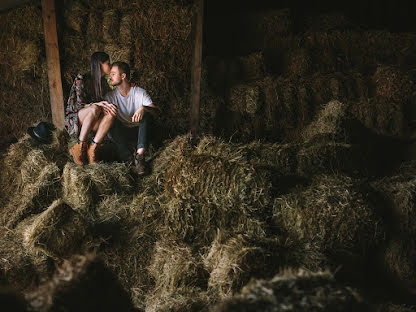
x,y
295,291
81,283
386,111
207,219
398,192
24,66
331,213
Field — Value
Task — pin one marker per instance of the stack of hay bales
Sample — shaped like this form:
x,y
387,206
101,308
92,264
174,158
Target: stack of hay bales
x,y
24,69
332,213
43,234
179,278
207,192
386,111
295,291
82,187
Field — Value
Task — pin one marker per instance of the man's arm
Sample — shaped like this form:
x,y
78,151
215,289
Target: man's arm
x,y
151,108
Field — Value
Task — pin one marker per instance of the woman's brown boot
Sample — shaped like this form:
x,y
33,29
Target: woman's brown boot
x,y
92,152
79,153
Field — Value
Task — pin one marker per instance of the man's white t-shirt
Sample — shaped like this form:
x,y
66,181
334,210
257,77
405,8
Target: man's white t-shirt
x,y
127,106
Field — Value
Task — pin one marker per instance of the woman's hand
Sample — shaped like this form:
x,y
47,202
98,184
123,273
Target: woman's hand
x,y
138,115
107,107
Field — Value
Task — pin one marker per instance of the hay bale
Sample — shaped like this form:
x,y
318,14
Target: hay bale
x,y
332,212
399,192
280,156
83,186
295,291
393,84
110,25
330,122
18,268
329,158
245,98
94,26
276,22
81,283
74,16
391,307
126,25
39,186
119,53
382,116
58,232
232,260
298,62
252,66
19,54
178,275
212,180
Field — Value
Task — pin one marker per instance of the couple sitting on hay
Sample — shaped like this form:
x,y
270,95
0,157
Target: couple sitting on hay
x,y
122,113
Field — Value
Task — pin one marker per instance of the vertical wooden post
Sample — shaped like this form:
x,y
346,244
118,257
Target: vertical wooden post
x,y
52,59
197,28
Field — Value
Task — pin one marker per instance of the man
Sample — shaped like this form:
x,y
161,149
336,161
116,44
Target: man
x,y
134,108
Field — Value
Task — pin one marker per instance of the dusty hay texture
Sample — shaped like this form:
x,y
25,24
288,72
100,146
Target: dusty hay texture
x,y
399,193
330,122
276,22
58,232
207,192
39,186
83,186
386,111
179,276
130,228
81,283
110,24
75,16
391,307
295,291
17,266
245,98
24,66
232,260
331,213
162,58
298,62
252,66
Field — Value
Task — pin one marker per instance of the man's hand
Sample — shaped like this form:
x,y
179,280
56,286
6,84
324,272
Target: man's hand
x,y
108,108
138,115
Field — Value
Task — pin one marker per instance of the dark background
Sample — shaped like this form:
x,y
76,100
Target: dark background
x,y
229,23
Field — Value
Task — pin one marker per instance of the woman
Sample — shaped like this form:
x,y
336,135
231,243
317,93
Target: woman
x,y
86,111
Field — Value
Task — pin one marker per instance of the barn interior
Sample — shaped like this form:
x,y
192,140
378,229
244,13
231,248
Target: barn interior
x,y
297,194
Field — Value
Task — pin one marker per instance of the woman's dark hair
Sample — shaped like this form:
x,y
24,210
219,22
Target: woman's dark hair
x,y
96,59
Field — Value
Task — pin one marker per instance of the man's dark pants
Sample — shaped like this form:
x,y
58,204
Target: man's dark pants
x,y
122,137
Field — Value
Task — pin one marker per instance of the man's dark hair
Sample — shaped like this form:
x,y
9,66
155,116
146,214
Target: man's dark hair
x,y
124,68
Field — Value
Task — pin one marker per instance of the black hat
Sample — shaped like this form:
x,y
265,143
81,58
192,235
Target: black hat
x,y
42,132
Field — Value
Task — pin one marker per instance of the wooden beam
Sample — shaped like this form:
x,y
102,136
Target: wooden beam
x,y
197,27
52,59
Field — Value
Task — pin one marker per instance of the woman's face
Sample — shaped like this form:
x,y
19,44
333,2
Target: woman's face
x,y
105,67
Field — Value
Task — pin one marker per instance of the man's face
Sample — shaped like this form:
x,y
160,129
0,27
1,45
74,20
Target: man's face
x,y
115,76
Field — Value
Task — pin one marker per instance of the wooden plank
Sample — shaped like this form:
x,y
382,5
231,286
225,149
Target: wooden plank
x,y
198,25
52,60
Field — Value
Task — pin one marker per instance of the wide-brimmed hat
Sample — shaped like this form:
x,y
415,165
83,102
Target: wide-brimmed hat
x,y
42,132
